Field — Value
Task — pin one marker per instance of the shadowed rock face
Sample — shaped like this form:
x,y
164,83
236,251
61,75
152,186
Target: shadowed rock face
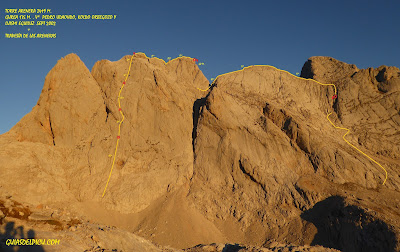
x,y
253,159
348,227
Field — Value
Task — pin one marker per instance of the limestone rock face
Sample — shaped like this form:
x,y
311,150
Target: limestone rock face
x,y
264,142
69,105
69,135
368,102
253,160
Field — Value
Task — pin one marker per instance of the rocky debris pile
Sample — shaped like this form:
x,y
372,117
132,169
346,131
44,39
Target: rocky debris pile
x,y
18,221
242,248
252,161
25,221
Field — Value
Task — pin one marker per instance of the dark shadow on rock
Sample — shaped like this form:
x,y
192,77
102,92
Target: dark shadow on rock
x,y
197,111
232,248
197,105
348,227
11,232
307,71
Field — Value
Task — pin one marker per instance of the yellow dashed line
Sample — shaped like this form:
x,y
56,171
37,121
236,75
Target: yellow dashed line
x,y
119,125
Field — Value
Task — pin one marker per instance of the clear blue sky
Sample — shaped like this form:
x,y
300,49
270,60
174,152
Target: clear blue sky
x,y
222,34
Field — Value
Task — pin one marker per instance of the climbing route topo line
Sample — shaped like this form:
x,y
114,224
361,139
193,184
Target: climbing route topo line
x,y
348,131
327,117
120,122
204,90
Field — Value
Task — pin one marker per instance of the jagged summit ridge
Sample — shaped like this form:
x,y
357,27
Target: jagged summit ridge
x,y
253,159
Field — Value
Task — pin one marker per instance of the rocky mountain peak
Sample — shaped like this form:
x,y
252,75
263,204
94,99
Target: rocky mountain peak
x,y
254,159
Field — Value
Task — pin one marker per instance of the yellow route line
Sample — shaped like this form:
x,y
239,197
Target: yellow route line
x,y
327,117
274,68
119,125
323,84
238,71
204,90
